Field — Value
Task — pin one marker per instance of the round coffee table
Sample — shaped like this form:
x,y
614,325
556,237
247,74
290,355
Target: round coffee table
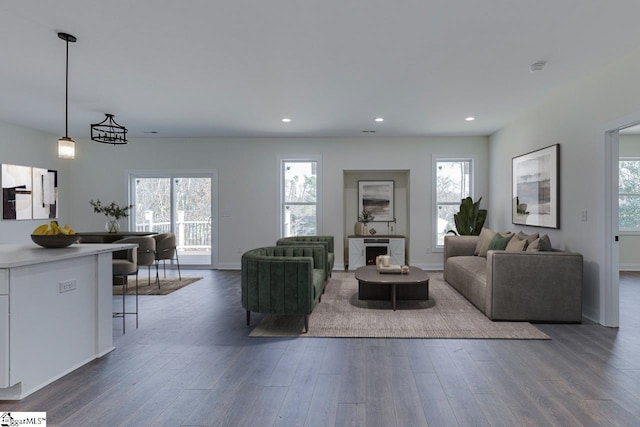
x,y
390,286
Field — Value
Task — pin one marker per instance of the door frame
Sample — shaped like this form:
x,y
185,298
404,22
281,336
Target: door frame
x,y
610,288
184,173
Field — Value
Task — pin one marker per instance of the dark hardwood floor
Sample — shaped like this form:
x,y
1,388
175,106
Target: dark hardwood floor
x,y
191,363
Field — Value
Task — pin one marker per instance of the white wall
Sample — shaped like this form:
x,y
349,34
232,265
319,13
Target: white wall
x,y
21,146
248,181
576,118
629,247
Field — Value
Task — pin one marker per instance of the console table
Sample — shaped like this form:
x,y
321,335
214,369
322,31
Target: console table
x,y
364,249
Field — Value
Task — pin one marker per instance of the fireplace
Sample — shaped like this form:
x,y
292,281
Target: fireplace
x,y
375,247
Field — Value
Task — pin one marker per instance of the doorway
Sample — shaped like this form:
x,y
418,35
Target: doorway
x,y
610,301
182,203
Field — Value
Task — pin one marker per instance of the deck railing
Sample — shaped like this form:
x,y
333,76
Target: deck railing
x,y
190,235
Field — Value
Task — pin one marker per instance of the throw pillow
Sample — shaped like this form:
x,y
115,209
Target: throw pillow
x,y
529,237
516,244
545,243
534,246
499,242
483,242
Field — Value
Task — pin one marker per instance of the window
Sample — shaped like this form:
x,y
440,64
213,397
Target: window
x,y
629,194
453,182
300,196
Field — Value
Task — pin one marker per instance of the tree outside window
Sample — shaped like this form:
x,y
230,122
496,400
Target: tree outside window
x,y
300,198
629,194
452,184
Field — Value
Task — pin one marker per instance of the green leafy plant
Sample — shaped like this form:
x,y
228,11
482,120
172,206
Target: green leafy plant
x,y
365,217
470,219
112,210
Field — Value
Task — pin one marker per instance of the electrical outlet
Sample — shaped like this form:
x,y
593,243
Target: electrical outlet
x,y
583,216
68,285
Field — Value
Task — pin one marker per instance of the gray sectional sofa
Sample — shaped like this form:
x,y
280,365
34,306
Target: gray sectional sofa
x,y
537,286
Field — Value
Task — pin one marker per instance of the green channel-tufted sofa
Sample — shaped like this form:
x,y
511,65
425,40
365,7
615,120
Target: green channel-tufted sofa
x,y
327,241
283,280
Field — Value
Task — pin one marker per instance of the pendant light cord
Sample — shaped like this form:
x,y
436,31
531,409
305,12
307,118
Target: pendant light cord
x,y
66,96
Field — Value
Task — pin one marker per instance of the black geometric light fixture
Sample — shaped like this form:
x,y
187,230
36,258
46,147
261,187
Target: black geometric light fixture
x,y
109,131
66,145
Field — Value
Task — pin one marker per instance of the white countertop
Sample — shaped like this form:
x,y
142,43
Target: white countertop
x,y
29,254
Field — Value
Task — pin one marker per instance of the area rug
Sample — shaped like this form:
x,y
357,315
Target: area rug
x,y
446,314
166,286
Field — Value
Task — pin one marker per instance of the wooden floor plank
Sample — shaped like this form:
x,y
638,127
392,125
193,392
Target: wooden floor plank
x,y
408,406
351,415
461,399
324,402
435,404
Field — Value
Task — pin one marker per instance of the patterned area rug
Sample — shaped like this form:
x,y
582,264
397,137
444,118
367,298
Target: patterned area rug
x,y
144,288
446,314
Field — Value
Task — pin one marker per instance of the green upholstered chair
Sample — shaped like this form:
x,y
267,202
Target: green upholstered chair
x,y
283,280
327,241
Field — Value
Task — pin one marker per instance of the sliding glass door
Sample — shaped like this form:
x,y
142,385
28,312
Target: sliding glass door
x,y
179,203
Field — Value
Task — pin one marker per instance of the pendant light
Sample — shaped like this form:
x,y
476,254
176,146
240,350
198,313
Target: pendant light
x,y
66,145
109,131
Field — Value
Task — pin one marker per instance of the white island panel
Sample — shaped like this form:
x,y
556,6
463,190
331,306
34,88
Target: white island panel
x,y
56,313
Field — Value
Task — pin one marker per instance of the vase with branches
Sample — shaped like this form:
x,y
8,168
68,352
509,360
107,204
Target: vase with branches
x,y
112,211
365,218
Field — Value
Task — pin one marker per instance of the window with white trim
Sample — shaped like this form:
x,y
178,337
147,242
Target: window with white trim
x,y
300,198
629,194
453,181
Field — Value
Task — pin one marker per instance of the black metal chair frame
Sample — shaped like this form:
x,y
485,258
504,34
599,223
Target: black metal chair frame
x,y
123,313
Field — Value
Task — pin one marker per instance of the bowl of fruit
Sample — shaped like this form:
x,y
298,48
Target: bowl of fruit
x,y
53,236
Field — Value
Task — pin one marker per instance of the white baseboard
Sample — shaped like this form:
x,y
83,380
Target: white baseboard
x,y
229,266
629,267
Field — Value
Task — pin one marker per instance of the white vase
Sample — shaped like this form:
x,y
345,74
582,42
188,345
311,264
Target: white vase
x,y
112,226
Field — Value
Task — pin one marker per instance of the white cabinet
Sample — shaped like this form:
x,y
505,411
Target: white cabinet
x,y
356,253
46,329
363,248
396,250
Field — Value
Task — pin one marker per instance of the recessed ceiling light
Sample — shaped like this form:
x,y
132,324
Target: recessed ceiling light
x,y
286,120
379,119
537,66
470,119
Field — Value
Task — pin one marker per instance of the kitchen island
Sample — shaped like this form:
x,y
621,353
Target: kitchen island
x,y
55,312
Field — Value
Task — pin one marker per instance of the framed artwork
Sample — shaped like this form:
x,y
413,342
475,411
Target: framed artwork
x,y
535,187
45,193
29,193
376,197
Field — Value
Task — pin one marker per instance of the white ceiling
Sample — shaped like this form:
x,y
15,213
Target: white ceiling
x,y
236,67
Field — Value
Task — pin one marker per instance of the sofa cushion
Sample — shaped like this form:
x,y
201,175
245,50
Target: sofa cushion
x,y
499,242
483,242
468,275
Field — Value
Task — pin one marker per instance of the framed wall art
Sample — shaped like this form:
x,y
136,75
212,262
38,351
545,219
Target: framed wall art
x,y
29,193
377,197
535,187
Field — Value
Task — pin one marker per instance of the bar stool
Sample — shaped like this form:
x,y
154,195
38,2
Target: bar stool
x,y
125,263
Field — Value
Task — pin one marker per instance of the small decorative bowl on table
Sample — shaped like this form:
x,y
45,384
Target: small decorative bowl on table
x,y
54,240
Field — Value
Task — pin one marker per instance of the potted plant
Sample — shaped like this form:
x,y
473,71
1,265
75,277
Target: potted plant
x,y
112,211
470,219
365,218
